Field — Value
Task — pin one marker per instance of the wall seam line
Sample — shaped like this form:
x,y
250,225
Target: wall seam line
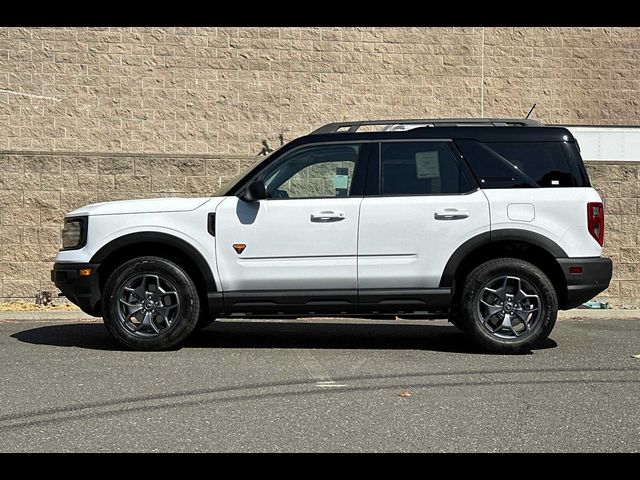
x,y
482,75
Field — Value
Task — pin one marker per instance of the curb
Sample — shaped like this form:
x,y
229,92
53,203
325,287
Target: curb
x,y
585,313
50,316
53,316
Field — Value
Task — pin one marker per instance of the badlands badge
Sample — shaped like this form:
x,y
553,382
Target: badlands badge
x,y
239,247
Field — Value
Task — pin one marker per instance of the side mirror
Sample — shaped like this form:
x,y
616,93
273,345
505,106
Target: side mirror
x,y
256,190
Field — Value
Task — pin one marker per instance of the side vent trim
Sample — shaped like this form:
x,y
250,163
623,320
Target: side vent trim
x,y
211,224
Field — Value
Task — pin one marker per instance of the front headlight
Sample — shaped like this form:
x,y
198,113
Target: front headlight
x,y
74,233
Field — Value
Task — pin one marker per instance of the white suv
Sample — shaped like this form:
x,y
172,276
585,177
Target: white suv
x,y
491,223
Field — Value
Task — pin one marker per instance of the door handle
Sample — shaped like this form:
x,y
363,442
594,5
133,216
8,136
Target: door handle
x,y
451,214
327,216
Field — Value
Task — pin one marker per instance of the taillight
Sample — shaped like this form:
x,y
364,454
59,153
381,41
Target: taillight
x,y
595,220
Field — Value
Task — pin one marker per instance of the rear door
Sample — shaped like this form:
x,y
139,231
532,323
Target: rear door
x,y
421,205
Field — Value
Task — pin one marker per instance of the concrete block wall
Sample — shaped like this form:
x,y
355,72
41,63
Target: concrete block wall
x,y
619,185
95,114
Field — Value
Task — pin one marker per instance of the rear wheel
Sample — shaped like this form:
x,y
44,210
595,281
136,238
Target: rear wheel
x,y
509,305
150,303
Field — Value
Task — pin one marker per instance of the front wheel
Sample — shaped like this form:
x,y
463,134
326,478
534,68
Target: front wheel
x,y
509,305
150,303
205,320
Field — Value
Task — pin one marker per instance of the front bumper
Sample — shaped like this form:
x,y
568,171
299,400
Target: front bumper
x,y
582,287
84,291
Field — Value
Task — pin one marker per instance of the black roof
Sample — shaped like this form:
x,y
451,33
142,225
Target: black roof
x,y
353,126
484,129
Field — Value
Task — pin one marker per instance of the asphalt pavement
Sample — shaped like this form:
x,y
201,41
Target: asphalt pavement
x,y
310,386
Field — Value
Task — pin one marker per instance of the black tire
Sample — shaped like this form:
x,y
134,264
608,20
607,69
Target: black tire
x,y
204,320
455,313
184,319
541,321
457,322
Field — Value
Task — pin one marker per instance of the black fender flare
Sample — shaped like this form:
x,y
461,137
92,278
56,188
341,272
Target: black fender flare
x,y
486,238
161,238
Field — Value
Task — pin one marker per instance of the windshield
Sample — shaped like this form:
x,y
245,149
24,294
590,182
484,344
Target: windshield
x,y
228,184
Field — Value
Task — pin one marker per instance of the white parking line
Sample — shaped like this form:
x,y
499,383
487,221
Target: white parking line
x,y
316,370
330,384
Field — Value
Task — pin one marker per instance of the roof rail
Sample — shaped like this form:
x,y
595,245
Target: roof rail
x,y
350,127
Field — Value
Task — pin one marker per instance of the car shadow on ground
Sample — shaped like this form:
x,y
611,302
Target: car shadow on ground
x,y
441,338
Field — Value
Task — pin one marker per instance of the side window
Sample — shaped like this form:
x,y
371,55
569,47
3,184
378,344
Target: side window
x,y
420,168
544,162
518,164
491,170
318,171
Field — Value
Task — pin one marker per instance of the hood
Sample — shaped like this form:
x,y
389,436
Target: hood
x,y
147,205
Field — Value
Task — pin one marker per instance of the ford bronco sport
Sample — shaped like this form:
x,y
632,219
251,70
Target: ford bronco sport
x,y
490,222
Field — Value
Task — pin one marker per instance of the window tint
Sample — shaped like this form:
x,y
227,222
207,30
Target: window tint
x,y
318,171
414,168
518,164
579,173
491,170
544,162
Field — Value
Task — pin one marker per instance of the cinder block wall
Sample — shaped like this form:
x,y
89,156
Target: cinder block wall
x,y
619,184
95,114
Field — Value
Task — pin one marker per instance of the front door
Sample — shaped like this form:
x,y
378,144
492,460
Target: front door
x,y
423,205
297,249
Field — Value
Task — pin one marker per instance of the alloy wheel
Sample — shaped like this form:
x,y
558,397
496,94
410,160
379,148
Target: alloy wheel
x,y
508,307
148,304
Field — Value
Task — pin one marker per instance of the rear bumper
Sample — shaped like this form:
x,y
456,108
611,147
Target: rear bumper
x,y
84,291
582,287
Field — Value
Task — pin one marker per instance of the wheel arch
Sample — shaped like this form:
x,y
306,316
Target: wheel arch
x,y
526,245
138,244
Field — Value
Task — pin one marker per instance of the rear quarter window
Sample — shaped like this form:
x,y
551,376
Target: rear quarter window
x,y
544,162
522,164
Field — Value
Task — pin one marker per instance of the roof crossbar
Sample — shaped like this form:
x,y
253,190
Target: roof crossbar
x,y
350,127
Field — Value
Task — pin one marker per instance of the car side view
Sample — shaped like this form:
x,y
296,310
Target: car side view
x,y
491,223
